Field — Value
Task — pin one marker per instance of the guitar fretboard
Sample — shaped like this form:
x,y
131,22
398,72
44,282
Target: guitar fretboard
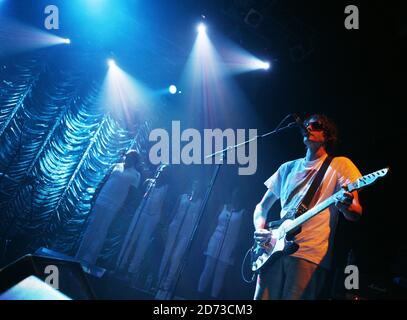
x,y
358,184
314,211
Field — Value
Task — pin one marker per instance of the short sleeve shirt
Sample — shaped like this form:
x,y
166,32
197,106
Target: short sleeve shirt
x,y
290,184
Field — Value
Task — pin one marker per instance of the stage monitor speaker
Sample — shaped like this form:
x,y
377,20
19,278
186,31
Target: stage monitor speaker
x,y
67,276
32,288
93,270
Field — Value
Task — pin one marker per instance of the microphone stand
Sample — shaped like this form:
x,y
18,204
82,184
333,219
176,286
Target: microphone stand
x,y
120,264
215,173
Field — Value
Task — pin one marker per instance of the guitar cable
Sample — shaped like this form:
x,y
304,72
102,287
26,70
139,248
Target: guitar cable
x,y
242,267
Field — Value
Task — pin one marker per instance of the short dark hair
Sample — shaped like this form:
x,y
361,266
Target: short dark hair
x,y
329,128
132,159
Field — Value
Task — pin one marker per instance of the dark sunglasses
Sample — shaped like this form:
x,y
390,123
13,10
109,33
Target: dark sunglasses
x,y
314,125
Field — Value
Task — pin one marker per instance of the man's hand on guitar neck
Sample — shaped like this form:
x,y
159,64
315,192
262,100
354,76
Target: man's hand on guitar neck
x,y
344,201
348,204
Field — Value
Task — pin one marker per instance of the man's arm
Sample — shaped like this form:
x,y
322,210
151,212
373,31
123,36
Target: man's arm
x,y
349,203
262,208
350,206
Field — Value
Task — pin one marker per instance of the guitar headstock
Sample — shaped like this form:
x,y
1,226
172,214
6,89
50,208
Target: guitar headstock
x,y
368,179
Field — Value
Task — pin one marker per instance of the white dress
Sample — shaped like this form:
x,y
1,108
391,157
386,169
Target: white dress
x,y
224,238
141,230
179,233
107,204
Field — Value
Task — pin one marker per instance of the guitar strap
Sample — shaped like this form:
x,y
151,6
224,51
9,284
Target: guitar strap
x,y
303,206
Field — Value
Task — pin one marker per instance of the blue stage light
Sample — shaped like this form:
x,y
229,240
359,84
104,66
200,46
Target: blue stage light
x,y
111,63
265,65
172,89
201,28
67,41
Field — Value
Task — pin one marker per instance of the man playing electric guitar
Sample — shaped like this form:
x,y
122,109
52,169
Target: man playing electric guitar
x,y
300,275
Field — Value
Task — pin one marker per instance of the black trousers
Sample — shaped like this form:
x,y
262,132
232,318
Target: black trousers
x,y
290,278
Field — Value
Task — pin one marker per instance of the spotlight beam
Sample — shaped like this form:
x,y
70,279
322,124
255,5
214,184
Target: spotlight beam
x,y
16,37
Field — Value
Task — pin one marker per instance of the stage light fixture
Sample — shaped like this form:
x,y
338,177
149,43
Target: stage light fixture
x,y
67,41
172,89
111,63
265,65
201,28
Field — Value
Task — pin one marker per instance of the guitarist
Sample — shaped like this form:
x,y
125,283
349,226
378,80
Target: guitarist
x,y
302,274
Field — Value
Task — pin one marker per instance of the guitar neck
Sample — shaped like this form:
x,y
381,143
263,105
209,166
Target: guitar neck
x,y
313,212
358,184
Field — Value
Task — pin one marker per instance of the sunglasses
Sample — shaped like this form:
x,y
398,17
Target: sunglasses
x,y
314,125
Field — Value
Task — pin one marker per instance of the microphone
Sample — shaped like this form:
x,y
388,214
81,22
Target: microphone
x,y
300,125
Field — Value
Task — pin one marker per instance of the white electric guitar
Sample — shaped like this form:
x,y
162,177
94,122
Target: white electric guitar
x,y
265,253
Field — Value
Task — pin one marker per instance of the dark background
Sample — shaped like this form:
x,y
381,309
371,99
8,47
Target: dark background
x,y
353,76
